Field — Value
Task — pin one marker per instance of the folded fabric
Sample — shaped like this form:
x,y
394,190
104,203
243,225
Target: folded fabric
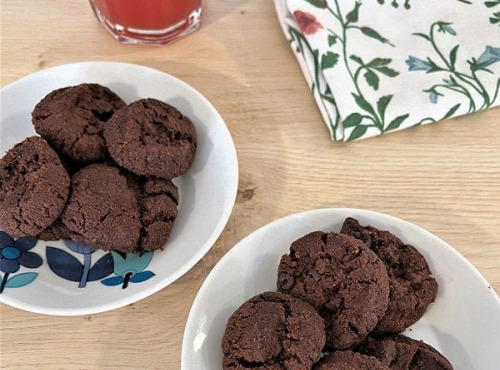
x,y
378,66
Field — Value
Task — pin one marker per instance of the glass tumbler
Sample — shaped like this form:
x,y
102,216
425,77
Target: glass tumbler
x,y
148,21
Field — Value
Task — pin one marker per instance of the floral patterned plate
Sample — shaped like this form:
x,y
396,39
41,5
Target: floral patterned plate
x,y
66,278
463,323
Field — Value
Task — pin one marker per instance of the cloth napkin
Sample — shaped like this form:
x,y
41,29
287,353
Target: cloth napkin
x,y
378,66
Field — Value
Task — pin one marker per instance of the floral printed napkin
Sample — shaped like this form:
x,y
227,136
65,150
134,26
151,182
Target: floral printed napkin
x,y
377,66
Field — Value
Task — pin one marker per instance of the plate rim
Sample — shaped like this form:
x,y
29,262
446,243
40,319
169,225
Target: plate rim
x,y
201,252
191,320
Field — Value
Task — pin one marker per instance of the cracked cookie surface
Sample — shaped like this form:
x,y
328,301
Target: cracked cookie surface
x,y
71,120
56,231
158,200
273,331
34,187
102,210
399,352
348,360
413,288
342,279
151,138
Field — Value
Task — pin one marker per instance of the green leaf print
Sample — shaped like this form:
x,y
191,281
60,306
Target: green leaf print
x,y
370,32
397,122
451,112
358,132
329,60
491,4
382,104
388,71
379,62
357,59
372,79
423,35
353,15
495,19
332,40
363,104
453,56
352,120
329,99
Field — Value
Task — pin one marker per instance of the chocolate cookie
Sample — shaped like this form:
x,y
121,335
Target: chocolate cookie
x,y
273,331
342,279
403,353
412,287
71,120
347,360
34,187
158,200
102,210
151,138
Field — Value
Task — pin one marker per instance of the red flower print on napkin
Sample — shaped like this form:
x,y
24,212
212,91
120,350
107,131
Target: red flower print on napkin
x,y
307,22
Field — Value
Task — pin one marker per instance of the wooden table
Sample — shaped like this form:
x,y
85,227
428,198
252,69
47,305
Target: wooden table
x,y
444,177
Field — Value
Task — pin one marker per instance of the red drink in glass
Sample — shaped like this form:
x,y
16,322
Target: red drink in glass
x,y
148,21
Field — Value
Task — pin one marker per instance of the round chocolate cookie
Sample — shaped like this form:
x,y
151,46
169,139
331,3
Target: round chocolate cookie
x,y
342,279
71,120
158,200
347,360
403,353
345,281
151,138
102,210
412,287
34,187
273,331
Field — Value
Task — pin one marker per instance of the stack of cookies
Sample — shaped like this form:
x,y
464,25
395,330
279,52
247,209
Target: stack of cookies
x,y
99,173
343,299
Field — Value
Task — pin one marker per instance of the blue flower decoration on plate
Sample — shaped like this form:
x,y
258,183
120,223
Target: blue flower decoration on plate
x,y
67,266
129,268
13,255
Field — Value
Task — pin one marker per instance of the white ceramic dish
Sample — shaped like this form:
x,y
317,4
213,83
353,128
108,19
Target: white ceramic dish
x,y
463,323
207,195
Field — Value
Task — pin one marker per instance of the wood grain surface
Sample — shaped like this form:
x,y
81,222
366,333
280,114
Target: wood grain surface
x,y
443,177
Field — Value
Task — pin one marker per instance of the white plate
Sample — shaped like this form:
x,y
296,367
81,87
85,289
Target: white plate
x,y
463,323
207,195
